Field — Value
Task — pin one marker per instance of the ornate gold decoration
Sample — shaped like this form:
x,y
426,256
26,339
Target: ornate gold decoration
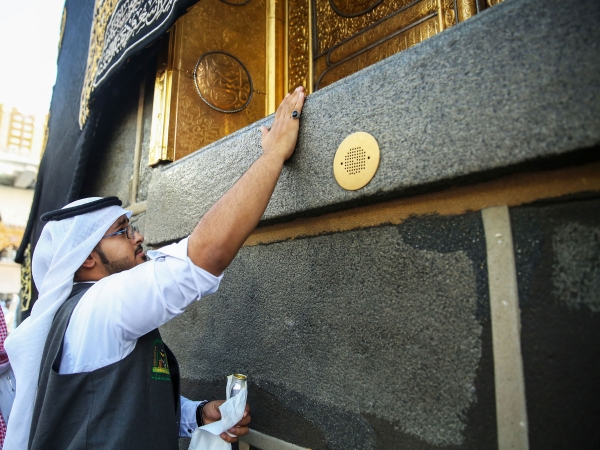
x,y
353,8
103,10
356,161
276,54
448,13
466,9
396,32
493,2
332,28
161,139
207,129
223,82
26,280
299,45
383,30
399,43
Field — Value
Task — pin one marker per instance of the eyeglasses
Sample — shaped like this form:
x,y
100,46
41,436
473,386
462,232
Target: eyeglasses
x,y
129,231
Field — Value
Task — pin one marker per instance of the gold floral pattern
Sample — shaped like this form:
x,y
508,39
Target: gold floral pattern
x,y
298,42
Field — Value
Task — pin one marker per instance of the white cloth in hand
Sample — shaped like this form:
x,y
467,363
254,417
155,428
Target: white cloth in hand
x,y
232,411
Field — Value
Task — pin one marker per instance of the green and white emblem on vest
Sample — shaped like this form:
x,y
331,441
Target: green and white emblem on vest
x,y
160,365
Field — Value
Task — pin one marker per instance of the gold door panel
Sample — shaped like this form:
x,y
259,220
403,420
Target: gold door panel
x,y
211,79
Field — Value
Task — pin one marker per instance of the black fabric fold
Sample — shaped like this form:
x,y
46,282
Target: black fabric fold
x,y
58,163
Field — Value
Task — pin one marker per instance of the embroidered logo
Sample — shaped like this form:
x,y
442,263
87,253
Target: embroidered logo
x,y
160,364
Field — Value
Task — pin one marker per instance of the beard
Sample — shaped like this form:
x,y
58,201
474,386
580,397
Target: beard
x,y
116,266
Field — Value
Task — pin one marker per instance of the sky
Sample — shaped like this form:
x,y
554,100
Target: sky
x,y
29,33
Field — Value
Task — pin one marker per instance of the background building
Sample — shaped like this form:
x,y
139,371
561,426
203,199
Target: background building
x,y
450,303
21,140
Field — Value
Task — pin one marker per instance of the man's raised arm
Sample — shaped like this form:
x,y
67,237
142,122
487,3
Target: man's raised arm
x,y
225,227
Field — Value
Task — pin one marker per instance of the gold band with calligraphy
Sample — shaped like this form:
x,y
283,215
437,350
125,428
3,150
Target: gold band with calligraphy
x,y
103,10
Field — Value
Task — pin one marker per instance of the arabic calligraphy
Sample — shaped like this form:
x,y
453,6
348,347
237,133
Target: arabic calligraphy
x,y
118,28
223,82
127,23
103,10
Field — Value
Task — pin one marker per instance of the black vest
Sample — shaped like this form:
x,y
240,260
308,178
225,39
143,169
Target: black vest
x,y
130,404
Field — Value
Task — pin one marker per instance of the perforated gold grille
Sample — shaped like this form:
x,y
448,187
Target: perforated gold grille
x,y
356,161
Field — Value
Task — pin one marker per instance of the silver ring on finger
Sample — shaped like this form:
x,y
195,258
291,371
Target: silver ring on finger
x,y
295,114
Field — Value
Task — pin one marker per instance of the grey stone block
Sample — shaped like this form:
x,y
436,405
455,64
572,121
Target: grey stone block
x,y
111,162
352,331
557,252
516,83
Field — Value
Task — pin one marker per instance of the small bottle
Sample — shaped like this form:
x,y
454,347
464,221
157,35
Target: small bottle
x,y
239,383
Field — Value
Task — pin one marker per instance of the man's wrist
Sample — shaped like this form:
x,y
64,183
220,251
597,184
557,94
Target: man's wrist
x,y
199,416
274,157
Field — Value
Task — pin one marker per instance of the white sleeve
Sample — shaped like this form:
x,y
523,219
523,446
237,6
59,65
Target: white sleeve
x,y
188,424
143,298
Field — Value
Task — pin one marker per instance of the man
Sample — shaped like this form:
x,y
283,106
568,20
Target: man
x,y
88,361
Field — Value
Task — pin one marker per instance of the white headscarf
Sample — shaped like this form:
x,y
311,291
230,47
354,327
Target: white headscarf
x,y
62,248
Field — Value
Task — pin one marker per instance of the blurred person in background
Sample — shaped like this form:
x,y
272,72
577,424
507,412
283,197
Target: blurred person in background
x,y
7,381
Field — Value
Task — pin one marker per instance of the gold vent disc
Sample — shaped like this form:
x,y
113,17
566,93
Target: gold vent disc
x,y
356,161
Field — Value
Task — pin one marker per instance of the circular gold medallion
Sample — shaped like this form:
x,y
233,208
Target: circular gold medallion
x,y
353,8
223,82
356,161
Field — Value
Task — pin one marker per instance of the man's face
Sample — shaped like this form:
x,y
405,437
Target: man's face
x,y
119,253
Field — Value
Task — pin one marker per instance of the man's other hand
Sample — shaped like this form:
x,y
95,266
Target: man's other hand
x,y
281,139
211,413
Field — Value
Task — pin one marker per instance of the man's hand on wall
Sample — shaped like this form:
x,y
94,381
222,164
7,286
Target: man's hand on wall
x,y
211,413
281,139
